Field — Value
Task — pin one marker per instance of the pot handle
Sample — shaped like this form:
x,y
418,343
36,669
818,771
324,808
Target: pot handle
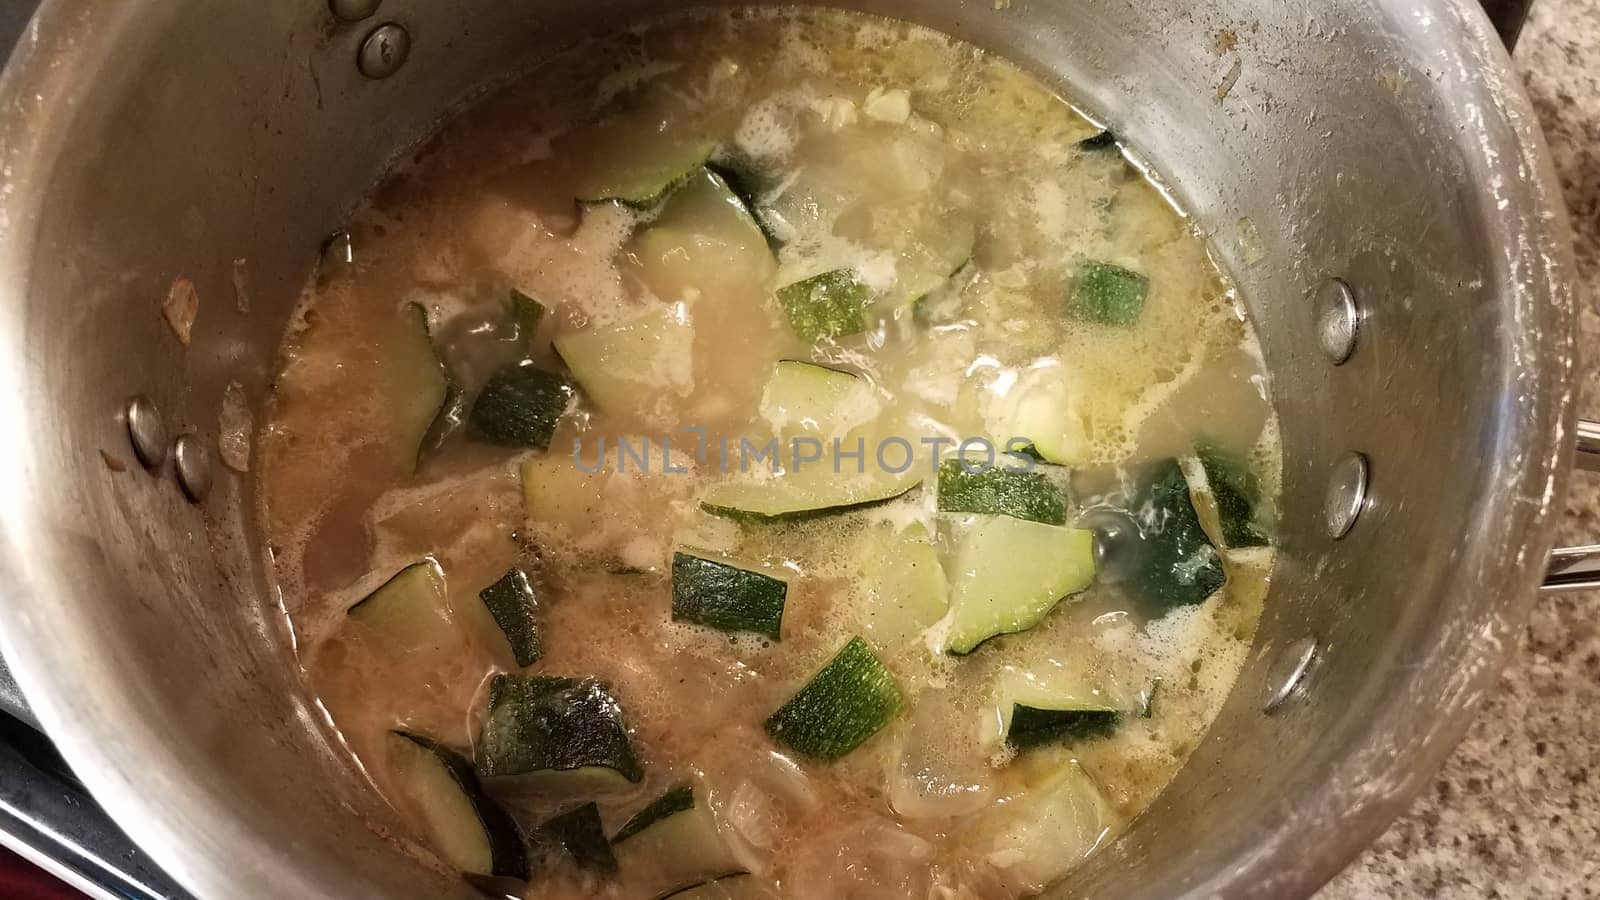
x,y
1578,568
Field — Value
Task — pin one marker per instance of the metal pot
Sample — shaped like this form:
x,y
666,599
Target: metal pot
x,y
1381,142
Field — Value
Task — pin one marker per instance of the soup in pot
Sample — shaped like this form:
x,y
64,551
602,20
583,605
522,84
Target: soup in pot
x,y
769,455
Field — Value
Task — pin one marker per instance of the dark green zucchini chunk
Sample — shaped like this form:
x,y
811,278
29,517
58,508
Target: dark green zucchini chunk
x,y
515,608
581,834
1031,726
468,829
831,305
1177,564
1108,295
1236,493
544,724
726,597
520,406
840,707
1001,490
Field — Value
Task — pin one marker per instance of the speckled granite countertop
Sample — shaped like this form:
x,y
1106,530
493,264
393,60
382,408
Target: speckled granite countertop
x,y
1516,811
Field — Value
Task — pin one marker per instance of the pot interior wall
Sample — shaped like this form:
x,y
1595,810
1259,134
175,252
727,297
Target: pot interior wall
x,y
181,139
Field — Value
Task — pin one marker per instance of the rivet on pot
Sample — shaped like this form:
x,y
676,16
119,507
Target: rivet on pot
x,y
1287,673
384,51
1338,320
353,10
338,253
193,464
1347,494
146,432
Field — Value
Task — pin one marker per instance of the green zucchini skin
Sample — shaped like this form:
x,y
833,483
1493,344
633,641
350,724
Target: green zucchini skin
x,y
674,801
520,406
444,415
794,516
1031,727
843,705
581,833
726,597
409,612
507,848
1178,565
515,608
1105,294
647,185
527,313
1031,495
542,723
746,182
1237,495
822,307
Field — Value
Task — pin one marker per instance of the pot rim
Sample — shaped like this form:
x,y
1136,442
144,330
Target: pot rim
x,y
54,64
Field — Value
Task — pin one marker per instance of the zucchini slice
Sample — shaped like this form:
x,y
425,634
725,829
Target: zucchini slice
x,y
813,491
1007,489
581,834
515,609
928,263
705,240
625,368
803,397
544,730
1033,708
1177,565
843,705
520,406
831,305
642,180
726,597
673,843
1223,482
1006,574
468,829
1042,409
906,591
1059,819
423,396
410,613
747,182
1106,294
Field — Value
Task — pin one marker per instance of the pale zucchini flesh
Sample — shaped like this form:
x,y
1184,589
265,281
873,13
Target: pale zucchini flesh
x,y
638,177
420,391
410,613
623,368
805,398
904,586
812,490
672,844
469,830
1006,574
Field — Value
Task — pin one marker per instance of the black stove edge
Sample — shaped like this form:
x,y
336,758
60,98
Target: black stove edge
x,y
48,818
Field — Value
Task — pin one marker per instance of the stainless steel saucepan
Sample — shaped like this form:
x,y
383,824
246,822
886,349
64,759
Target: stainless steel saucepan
x,y
1369,171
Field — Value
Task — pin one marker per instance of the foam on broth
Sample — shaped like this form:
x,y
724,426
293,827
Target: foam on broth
x,y
488,205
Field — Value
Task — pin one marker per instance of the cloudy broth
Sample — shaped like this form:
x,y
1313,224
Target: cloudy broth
x,y
775,250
